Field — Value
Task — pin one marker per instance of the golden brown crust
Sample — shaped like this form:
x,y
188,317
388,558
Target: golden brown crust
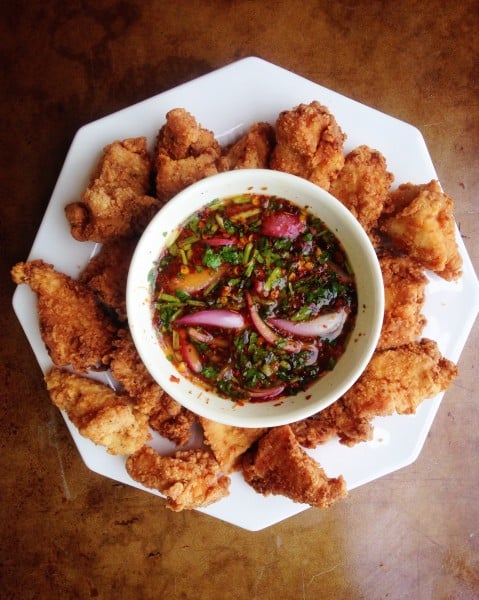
x,y
337,420
185,153
419,222
106,274
251,151
399,379
362,185
116,202
404,292
189,479
309,143
229,443
75,329
100,414
278,465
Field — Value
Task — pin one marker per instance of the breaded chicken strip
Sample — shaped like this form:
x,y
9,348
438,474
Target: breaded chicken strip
x,y
229,443
395,380
106,274
165,415
189,479
337,420
362,185
419,221
278,465
251,151
309,143
74,327
100,414
116,202
185,153
404,295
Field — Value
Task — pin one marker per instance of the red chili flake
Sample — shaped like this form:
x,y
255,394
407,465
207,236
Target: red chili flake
x,y
174,379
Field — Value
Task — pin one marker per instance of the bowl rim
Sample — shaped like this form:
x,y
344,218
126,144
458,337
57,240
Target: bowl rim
x,y
162,229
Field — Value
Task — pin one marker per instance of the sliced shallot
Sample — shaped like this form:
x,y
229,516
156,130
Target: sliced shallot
x,y
227,319
325,326
266,393
191,357
200,335
267,333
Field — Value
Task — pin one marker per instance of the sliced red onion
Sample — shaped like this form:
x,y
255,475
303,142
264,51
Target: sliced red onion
x,y
267,333
266,393
200,335
191,357
313,353
325,326
283,224
227,319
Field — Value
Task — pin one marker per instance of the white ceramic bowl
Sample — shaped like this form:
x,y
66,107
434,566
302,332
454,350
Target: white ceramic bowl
x,y
361,256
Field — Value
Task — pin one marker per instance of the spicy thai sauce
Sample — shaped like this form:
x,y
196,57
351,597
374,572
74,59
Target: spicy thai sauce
x,y
242,293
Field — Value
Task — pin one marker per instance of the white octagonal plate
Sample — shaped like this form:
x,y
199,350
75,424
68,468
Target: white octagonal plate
x,y
227,101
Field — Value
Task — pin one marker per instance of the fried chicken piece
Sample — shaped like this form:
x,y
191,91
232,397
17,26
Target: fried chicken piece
x,y
172,421
399,379
278,465
116,202
100,414
336,420
189,479
419,221
229,443
251,151
185,153
106,274
166,416
309,143
395,380
362,185
74,327
404,291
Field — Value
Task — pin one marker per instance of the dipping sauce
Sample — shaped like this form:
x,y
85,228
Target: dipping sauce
x,y
255,298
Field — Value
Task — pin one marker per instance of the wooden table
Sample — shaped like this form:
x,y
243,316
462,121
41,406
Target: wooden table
x,y
69,533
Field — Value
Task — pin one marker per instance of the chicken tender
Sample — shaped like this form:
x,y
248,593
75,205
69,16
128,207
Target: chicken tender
x,y
189,479
278,465
106,274
419,221
336,420
404,295
75,329
251,151
229,443
100,414
116,202
185,153
395,380
362,185
309,143
165,415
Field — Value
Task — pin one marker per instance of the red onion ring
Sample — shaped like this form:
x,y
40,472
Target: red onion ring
x,y
227,319
191,357
325,326
266,332
266,393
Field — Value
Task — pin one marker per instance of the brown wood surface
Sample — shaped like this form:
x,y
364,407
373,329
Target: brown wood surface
x,y
68,533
